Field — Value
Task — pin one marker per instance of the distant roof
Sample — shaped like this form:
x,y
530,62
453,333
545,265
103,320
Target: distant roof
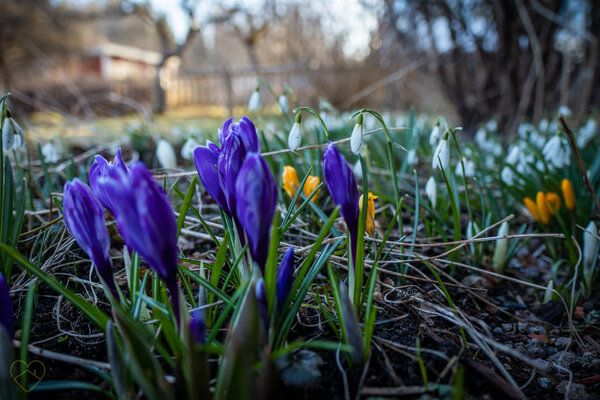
x,y
125,52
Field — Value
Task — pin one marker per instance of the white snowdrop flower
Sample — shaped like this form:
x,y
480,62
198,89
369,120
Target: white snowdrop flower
x,y
496,149
481,138
499,259
254,102
590,243
543,125
51,151
356,139
557,153
412,158
441,155
491,125
548,292
295,136
565,111
436,135
431,190
177,132
525,129
552,127
283,103
507,175
490,162
537,140
166,155
12,135
539,165
187,151
587,133
469,168
472,230
513,155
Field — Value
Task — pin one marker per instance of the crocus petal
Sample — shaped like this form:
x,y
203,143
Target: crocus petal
x,y
225,130
230,161
247,131
285,275
84,218
206,161
6,308
256,199
100,167
197,326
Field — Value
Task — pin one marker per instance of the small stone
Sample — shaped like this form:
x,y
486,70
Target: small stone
x,y
576,390
544,382
551,350
564,359
522,326
542,364
507,327
497,330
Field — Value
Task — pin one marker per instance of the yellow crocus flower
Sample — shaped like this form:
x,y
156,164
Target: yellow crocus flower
x,y
532,207
568,194
311,184
370,221
290,180
553,202
542,206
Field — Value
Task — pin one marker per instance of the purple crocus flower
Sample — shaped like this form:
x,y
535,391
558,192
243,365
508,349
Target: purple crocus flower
x,y
256,199
285,275
84,218
100,167
231,159
6,308
146,221
197,326
245,129
206,158
341,183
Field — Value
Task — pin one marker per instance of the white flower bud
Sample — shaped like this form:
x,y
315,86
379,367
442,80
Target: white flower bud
x,y
254,102
166,155
295,137
431,190
499,259
441,155
435,135
51,152
283,103
187,151
356,139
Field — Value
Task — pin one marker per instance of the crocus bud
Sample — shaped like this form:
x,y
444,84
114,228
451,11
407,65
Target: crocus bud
x,y
532,208
342,186
568,194
310,185
441,155
290,180
166,155
553,202
187,150
499,259
197,326
12,135
254,102
295,137
542,207
370,221
6,308
84,218
256,199
431,190
356,139
206,159
285,276
100,167
283,103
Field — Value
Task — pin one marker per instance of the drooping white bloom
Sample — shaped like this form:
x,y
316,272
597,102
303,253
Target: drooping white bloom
x,y
435,136
412,158
499,259
513,155
565,111
254,102
12,135
357,169
51,151
491,125
441,155
431,190
356,139
166,155
557,153
548,292
590,243
469,168
481,138
187,150
472,230
295,137
283,103
507,175
587,133
543,125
